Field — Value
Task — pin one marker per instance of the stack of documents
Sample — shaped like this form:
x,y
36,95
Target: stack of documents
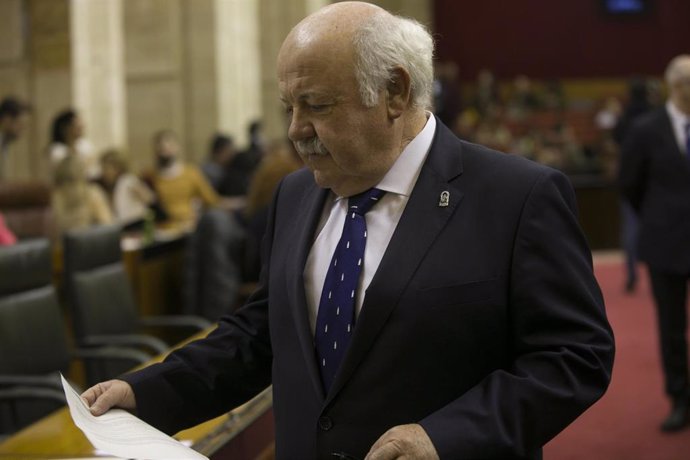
x,y
119,433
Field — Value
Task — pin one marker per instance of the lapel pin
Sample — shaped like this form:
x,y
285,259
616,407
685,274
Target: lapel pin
x,y
444,200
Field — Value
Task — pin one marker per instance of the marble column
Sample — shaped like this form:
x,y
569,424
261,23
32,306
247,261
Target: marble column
x,y
98,83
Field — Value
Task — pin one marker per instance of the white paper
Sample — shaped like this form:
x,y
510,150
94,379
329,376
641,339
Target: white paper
x,y
121,434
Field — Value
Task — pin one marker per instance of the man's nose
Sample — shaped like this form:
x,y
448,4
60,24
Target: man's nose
x,y
300,127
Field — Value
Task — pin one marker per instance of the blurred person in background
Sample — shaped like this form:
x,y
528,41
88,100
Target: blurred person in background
x,y
486,92
129,197
182,189
523,98
77,203
638,104
281,159
221,153
655,178
447,94
243,165
7,238
13,120
67,139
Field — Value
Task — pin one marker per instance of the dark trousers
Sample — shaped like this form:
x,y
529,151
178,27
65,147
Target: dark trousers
x,y
629,239
670,293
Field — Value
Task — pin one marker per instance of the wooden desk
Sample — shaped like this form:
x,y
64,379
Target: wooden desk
x,y
155,270
243,434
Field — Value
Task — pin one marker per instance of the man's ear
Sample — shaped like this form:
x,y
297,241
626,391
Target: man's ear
x,y
398,92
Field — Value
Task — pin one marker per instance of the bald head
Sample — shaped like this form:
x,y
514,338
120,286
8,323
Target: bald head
x,y
678,81
372,43
335,23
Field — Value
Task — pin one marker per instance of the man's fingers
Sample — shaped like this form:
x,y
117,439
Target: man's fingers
x,y
93,393
383,439
387,451
106,395
403,442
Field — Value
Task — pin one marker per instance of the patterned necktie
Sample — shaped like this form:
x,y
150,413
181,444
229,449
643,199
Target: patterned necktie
x,y
336,317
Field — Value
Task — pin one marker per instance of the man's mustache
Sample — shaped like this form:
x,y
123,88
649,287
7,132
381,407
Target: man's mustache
x,y
312,146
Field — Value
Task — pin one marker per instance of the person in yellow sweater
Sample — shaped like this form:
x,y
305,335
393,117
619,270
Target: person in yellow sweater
x,y
181,188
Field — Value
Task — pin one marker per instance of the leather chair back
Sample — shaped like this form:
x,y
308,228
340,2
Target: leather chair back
x,y
97,285
32,332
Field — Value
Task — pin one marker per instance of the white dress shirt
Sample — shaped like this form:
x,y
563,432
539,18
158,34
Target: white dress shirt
x,y
381,222
678,121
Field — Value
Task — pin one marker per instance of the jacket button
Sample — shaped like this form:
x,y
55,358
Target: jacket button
x,y
325,423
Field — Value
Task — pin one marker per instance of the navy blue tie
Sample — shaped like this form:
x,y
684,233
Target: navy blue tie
x,y
336,317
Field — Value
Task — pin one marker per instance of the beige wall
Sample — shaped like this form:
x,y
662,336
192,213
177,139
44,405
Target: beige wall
x,y
35,66
133,67
98,86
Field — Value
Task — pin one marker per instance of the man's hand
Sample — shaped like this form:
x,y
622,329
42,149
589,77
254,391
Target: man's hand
x,y
106,395
403,442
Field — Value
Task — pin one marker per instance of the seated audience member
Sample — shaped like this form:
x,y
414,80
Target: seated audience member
x,y
241,169
493,132
222,152
179,186
77,203
67,138
553,96
486,94
447,94
7,238
13,115
523,99
130,198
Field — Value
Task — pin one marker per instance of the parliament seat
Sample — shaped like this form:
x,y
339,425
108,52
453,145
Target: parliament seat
x,y
33,344
102,301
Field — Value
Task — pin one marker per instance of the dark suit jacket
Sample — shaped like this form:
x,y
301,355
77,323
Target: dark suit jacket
x,y
655,178
483,322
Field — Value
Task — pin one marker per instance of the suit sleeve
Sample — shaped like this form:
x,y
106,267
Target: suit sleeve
x,y
633,166
562,344
211,376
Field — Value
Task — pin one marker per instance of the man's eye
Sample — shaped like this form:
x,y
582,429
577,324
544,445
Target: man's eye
x,y
288,110
318,107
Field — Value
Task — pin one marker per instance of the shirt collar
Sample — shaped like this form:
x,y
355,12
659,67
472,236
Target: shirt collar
x,y
402,176
677,117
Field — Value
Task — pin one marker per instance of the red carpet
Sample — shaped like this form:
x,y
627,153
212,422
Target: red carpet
x,y
624,423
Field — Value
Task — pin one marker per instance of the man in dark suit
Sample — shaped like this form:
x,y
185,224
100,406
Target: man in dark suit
x,y
655,178
473,328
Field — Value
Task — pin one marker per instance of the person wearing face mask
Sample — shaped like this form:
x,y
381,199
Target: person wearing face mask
x,y
181,187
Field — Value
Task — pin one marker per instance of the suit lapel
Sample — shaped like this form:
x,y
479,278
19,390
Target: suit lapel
x,y
421,222
309,213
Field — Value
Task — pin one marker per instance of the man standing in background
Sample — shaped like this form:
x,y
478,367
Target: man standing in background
x,y
655,178
13,115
